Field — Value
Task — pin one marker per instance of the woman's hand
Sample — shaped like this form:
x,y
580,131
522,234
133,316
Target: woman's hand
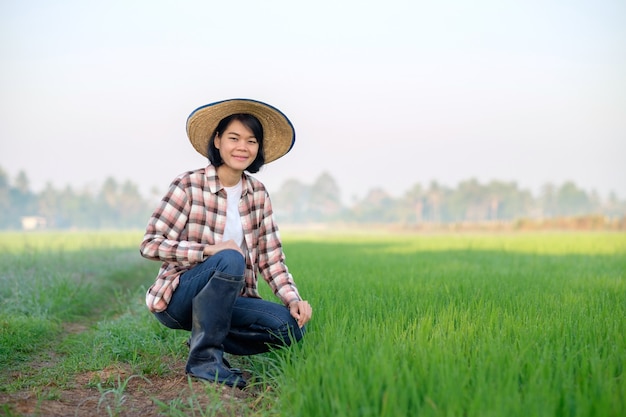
x,y
301,311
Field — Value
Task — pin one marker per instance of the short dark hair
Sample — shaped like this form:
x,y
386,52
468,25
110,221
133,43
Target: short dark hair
x,y
251,123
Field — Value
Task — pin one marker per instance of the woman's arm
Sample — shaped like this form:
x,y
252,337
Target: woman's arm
x,y
167,223
272,259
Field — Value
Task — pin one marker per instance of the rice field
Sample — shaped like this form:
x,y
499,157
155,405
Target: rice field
x,y
527,324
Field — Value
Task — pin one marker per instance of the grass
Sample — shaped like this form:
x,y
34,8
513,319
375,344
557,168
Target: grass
x,y
528,324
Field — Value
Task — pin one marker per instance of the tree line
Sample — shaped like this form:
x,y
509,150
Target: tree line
x,y
469,201
115,205
118,205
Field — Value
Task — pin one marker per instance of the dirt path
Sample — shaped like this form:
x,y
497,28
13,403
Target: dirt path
x,y
122,393
140,397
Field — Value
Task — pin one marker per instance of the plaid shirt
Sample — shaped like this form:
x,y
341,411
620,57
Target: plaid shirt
x,y
192,215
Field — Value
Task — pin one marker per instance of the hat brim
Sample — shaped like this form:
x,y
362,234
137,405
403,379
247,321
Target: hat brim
x,y
279,135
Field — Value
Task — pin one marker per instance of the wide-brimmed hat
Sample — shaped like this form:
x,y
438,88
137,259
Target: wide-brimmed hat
x,y
278,132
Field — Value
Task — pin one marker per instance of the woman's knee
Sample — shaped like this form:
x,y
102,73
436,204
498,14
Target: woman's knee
x,y
289,331
297,333
231,262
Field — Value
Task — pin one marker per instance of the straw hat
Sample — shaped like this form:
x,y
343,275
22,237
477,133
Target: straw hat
x,y
278,132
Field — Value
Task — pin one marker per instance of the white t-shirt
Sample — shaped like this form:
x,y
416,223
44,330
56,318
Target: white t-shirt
x,y
233,229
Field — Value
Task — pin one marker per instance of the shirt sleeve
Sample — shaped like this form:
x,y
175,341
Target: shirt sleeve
x,y
162,238
272,258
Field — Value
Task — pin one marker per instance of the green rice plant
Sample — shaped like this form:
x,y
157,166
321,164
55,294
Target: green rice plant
x,y
460,325
115,406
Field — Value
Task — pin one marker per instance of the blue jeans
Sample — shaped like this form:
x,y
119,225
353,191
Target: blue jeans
x,y
256,325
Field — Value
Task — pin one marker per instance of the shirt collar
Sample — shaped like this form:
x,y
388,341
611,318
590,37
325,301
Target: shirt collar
x,y
214,185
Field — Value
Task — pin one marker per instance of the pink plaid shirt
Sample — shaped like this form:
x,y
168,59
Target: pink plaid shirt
x,y
192,215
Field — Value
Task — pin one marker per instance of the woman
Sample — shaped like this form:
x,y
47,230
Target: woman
x,y
214,231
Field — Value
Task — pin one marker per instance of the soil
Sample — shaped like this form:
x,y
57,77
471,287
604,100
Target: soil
x,y
140,397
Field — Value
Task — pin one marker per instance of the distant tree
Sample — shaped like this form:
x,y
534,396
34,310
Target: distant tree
x,y
109,192
5,201
49,202
614,207
506,201
68,208
22,183
325,198
377,207
412,205
291,202
548,200
133,210
73,209
23,201
469,201
4,180
572,200
434,209
109,203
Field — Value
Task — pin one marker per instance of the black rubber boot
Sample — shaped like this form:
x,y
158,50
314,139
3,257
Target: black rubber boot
x,y
236,371
212,311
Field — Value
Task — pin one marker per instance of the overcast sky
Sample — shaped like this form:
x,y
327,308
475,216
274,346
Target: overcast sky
x,y
382,94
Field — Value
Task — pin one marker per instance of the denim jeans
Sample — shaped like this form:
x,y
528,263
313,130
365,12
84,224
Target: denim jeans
x,y
256,325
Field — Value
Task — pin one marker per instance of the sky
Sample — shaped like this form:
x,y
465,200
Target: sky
x,y
382,94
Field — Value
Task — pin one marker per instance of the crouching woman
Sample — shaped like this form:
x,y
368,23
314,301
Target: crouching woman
x,y
214,232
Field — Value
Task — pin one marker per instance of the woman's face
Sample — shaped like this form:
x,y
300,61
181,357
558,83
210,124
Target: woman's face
x,y
237,146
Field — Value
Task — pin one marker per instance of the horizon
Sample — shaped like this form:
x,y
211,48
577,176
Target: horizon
x,y
147,193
